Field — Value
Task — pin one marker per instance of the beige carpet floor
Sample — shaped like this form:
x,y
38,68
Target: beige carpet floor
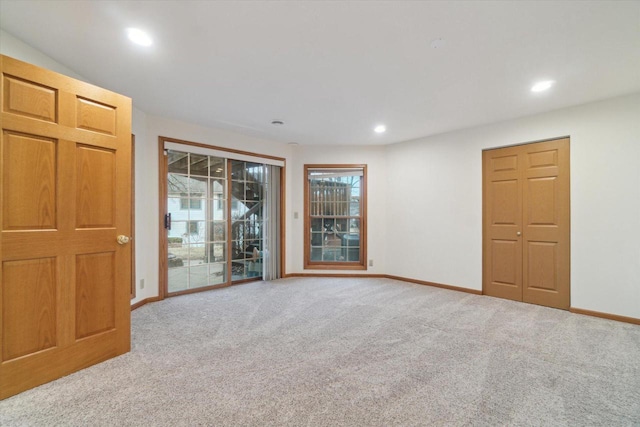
x,y
350,352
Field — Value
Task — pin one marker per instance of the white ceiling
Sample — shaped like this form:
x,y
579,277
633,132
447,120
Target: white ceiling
x,y
333,70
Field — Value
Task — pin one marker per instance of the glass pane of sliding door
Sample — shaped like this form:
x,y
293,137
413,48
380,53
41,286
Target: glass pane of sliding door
x,y
197,202
248,181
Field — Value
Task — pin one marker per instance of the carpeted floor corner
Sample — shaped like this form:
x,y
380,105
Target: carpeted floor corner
x,y
350,352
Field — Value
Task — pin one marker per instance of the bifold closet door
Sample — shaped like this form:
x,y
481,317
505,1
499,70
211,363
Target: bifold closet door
x,y
526,232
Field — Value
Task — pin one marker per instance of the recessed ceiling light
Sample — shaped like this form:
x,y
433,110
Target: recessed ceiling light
x,y
380,129
139,37
542,86
277,122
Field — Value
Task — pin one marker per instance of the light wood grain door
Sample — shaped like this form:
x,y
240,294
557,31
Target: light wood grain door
x,y
526,242
65,191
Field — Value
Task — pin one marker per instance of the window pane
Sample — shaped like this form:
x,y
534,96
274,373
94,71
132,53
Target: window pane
x,y
238,209
316,254
199,165
197,187
178,162
237,170
194,232
177,184
217,252
197,254
217,189
178,278
178,230
329,254
217,273
174,205
218,167
198,276
354,210
217,231
218,209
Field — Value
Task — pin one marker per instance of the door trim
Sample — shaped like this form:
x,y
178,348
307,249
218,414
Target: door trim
x,y
133,216
518,144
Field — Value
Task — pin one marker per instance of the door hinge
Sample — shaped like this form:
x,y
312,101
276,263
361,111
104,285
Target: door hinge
x,y
167,221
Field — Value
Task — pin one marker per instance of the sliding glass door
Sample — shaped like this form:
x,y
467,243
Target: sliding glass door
x,y
197,220
216,220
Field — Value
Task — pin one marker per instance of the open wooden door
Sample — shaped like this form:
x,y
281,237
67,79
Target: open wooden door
x,y
66,199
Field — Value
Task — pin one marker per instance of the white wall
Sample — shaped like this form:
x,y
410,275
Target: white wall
x,y
16,48
374,158
435,187
144,231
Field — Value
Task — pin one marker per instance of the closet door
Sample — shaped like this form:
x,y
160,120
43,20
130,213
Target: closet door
x,y
502,250
546,238
526,223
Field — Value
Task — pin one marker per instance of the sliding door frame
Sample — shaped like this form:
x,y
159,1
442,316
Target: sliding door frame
x,y
163,273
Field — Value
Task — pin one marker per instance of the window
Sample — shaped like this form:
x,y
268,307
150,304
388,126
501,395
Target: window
x,y
335,217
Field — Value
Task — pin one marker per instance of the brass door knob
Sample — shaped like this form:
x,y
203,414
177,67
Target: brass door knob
x,y
122,239
518,233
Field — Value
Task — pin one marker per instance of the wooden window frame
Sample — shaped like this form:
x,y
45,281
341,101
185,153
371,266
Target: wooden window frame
x,y
335,265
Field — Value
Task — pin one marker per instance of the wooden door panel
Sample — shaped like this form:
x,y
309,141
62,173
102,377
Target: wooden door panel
x,y
29,99
29,290
95,185
95,117
542,159
502,215
506,163
504,269
29,193
546,233
542,207
504,206
541,266
95,293
66,195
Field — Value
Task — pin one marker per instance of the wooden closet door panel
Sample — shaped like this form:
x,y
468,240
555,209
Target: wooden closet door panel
x,y
546,254
502,214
